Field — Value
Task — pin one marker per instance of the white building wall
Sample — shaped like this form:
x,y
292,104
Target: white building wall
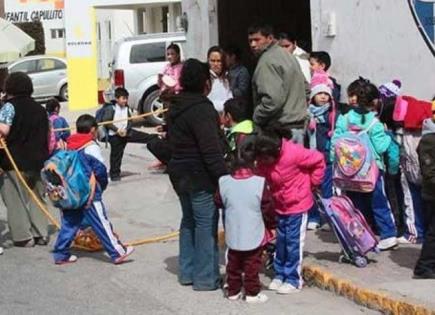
x,y
51,15
376,39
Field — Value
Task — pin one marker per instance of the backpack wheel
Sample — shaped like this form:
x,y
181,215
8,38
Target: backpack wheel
x,y
360,261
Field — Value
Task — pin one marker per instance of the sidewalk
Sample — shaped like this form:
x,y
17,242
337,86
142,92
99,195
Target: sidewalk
x,y
388,275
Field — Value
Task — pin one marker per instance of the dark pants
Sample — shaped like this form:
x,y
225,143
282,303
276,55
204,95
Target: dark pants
x,y
160,148
426,262
249,263
117,147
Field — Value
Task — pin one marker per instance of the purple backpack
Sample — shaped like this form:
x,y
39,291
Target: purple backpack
x,y
353,226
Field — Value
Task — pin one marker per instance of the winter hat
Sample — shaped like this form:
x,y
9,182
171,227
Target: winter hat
x,y
390,89
320,82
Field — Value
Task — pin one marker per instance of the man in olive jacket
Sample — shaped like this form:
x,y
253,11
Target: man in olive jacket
x,y
279,87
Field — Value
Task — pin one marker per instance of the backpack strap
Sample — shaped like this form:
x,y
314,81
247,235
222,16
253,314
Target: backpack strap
x,y
372,123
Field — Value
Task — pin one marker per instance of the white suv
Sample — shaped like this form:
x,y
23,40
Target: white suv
x,y
137,61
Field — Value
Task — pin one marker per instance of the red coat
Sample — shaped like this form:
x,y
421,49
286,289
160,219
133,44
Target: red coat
x,y
293,177
417,112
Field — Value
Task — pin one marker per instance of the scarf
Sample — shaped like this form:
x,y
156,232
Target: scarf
x,y
317,116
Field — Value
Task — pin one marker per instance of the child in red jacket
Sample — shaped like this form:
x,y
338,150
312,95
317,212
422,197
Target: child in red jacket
x,y
292,172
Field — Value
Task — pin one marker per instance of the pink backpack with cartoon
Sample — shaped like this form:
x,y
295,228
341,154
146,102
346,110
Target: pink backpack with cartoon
x,y
355,167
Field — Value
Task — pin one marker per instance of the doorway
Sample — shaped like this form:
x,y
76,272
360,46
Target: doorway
x,y
235,17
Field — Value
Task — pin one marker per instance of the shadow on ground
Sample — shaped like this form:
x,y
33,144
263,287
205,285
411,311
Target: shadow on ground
x,y
405,257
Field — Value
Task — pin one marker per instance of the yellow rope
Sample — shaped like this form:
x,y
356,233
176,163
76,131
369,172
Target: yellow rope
x,y
104,123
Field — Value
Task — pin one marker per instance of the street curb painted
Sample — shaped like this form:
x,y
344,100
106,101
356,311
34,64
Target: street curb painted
x,y
372,299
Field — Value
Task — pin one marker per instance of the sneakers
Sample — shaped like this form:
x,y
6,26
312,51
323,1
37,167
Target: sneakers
x,y
259,298
70,260
128,251
388,243
404,240
236,297
275,285
313,226
287,288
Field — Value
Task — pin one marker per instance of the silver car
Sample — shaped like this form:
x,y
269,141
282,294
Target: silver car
x,y
48,74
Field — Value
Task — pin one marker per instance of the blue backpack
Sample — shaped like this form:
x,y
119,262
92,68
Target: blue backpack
x,y
66,182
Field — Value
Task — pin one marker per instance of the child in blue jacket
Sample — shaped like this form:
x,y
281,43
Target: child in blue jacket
x,y
374,204
95,214
322,120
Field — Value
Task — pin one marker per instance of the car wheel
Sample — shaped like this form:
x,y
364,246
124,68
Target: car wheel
x,y
63,95
153,104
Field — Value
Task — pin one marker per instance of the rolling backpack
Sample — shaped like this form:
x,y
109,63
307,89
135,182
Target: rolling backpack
x,y
66,181
355,236
355,167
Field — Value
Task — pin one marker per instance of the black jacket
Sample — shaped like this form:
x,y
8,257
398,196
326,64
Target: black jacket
x,y
28,136
195,139
426,156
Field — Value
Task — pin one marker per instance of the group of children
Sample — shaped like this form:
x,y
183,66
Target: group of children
x,y
273,180
269,169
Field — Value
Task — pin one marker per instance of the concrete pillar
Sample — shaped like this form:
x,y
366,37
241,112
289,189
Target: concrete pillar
x,y
139,21
203,27
172,18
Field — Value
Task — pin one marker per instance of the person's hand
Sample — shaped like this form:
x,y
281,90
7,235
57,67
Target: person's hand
x,y
160,129
122,133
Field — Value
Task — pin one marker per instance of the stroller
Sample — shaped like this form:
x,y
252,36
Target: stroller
x,y
353,233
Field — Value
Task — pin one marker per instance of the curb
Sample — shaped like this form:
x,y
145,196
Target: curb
x,y
372,299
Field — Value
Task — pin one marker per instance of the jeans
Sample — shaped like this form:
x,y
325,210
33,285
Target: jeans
x,y
199,256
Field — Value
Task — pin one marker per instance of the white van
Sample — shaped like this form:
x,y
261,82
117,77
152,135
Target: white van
x,y
137,61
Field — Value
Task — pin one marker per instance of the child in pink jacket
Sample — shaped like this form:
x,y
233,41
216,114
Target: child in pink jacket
x,y
293,172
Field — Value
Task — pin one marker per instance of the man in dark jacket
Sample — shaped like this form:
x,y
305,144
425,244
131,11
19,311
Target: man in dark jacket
x,y
196,164
425,267
238,74
279,89
24,125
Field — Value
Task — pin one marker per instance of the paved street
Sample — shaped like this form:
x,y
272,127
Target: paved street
x,y
142,205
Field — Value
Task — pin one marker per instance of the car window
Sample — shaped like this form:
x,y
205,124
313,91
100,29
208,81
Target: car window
x,y
25,66
50,65
153,52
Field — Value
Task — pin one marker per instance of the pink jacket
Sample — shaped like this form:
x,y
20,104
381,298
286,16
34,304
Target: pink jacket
x,y
293,177
175,73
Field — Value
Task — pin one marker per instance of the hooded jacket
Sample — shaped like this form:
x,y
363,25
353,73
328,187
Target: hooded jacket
x,y
196,143
88,150
426,156
293,177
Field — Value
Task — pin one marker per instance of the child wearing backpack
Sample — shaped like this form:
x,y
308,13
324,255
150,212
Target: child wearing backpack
x,y
90,161
357,147
57,121
247,203
322,120
293,172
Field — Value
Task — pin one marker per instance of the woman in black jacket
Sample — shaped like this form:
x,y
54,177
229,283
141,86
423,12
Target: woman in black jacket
x,y
196,164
